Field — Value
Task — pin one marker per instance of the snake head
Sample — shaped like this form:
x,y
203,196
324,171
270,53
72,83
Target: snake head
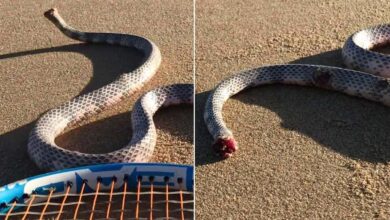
x,y
50,14
225,147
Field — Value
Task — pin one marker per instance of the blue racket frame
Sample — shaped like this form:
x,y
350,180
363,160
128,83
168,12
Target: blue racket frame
x,y
180,177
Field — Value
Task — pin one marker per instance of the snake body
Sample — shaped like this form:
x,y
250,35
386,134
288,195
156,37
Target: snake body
x,y
371,84
41,144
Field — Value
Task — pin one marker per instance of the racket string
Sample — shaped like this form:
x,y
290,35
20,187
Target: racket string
x,y
95,198
110,198
139,180
151,198
29,206
79,200
180,181
47,203
110,202
10,210
166,180
69,185
124,197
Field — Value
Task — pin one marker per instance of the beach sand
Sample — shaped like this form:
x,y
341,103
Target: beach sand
x,y
304,153
40,69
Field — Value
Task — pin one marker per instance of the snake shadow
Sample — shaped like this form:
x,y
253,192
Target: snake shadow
x,y
353,127
108,62
97,137
114,132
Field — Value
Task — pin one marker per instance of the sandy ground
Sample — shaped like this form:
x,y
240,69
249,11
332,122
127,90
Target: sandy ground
x,y
304,153
40,69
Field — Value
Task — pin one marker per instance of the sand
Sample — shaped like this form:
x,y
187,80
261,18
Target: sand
x,y
40,69
304,153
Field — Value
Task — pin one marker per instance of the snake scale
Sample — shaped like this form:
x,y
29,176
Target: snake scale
x,y
41,144
357,54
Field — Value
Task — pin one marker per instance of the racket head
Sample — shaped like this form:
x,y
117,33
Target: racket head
x,y
87,180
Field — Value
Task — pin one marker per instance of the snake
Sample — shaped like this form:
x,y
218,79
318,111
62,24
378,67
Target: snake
x,y
366,76
42,148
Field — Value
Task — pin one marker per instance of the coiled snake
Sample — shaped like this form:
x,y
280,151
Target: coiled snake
x,y
356,54
41,145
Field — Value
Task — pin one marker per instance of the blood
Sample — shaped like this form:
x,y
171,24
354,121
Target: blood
x,y
225,147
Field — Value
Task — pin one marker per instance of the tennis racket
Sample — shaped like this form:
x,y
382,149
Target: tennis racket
x,y
107,191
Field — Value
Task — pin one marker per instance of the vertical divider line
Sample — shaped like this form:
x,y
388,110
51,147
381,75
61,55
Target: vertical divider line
x,y
194,108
